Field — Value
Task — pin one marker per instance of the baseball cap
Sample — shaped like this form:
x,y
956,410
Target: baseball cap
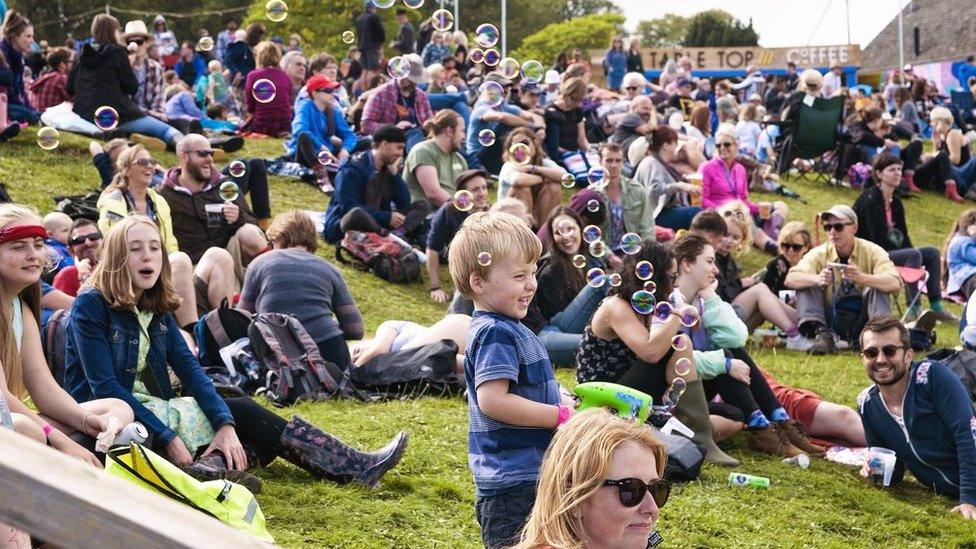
x,y
684,82
552,77
321,82
840,211
531,88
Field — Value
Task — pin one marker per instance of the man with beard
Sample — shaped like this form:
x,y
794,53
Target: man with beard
x,y
219,236
401,103
84,244
920,411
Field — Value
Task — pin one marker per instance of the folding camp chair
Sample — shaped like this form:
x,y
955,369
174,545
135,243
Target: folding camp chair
x,y
911,276
817,132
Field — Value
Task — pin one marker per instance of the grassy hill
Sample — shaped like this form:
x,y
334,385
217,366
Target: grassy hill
x,y
428,501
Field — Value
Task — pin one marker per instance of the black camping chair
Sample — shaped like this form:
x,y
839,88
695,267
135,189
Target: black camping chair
x,y
817,137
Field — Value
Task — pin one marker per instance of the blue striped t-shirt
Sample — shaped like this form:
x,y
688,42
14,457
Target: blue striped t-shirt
x,y
503,456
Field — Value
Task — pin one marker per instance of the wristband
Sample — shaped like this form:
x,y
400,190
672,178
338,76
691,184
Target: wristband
x,y
563,415
47,430
728,365
434,288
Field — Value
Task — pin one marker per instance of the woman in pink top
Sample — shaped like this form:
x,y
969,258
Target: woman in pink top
x,y
725,179
268,108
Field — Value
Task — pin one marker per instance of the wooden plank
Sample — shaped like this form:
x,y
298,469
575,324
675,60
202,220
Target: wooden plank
x,y
71,504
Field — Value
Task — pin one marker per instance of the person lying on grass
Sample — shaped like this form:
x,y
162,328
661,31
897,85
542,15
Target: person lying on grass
x,y
921,411
398,335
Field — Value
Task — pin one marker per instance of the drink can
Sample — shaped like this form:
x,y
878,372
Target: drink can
x,y
739,479
133,432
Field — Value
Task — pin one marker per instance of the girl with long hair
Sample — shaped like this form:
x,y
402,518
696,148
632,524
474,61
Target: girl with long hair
x,y
959,256
535,181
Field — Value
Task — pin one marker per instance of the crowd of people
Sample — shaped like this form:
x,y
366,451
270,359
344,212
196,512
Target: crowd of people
x,y
583,226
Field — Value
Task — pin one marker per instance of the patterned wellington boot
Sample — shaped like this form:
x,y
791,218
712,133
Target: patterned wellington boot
x,y
213,467
325,456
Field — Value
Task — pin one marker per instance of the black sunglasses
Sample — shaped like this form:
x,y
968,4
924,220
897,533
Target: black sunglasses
x,y
202,154
631,491
734,213
146,162
138,41
889,351
837,227
794,247
725,144
90,237
632,87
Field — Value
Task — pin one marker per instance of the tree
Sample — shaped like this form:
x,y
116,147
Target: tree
x,y
718,28
580,8
664,32
589,32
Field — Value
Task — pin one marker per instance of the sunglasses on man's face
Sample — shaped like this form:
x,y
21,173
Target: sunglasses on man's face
x,y
202,154
138,41
91,237
837,227
725,144
889,351
631,88
631,491
793,247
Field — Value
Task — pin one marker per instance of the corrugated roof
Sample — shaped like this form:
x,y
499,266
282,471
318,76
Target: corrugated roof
x,y
946,28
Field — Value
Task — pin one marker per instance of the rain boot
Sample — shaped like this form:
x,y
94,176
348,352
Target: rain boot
x,y
692,410
952,193
213,467
323,455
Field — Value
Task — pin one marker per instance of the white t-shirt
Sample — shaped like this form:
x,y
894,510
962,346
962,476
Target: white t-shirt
x,y
748,132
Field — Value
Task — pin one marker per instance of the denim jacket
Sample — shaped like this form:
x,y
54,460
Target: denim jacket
x,y
101,355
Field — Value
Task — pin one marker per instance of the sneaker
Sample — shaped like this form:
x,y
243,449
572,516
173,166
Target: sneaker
x,y
772,440
927,321
151,143
841,344
229,144
823,344
946,315
798,343
796,432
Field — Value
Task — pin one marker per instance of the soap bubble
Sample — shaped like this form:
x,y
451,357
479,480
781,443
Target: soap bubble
x,y
679,342
579,261
566,227
348,37
630,243
486,35
384,4
229,191
593,205
205,43
484,259
48,138
326,158
644,270
276,10
598,248
596,277
533,71
236,168
486,137
615,279
674,392
689,319
463,200
264,90
413,4
596,176
650,286
663,310
442,20
106,118
398,67
509,68
492,57
520,153
682,366
492,93
591,233
477,55
568,180
643,302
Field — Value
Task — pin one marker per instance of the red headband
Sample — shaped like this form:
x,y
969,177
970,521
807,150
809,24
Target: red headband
x,y
22,231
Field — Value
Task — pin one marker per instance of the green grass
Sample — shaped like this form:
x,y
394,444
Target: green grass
x,y
428,500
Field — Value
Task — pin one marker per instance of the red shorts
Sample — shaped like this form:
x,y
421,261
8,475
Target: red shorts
x,y
799,403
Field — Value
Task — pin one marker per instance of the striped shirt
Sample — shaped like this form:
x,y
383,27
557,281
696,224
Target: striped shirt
x,y
503,456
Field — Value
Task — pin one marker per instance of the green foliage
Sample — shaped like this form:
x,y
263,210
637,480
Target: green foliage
x,y
663,32
579,8
589,32
719,28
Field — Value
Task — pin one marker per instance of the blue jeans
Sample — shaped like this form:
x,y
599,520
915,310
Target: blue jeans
x,y
20,113
502,517
677,218
561,337
965,175
457,102
152,127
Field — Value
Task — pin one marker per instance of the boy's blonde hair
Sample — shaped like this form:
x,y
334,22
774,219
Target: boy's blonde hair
x,y
738,213
214,65
55,221
500,234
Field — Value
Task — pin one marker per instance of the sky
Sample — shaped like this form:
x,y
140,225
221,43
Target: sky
x,y
782,23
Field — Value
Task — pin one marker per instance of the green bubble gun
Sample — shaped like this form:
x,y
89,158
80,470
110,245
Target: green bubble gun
x,y
622,401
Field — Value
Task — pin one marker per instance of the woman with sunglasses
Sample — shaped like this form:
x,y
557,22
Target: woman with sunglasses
x,y
794,241
535,180
665,183
600,485
58,416
625,343
615,63
881,219
724,178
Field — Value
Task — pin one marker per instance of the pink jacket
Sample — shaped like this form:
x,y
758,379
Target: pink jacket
x,y
720,185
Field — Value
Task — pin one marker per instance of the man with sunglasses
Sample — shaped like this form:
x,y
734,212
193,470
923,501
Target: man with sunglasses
x,y
920,411
841,283
85,246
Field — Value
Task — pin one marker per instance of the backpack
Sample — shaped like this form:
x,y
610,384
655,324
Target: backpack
x,y
962,363
387,256
685,458
78,206
295,368
218,329
426,370
54,341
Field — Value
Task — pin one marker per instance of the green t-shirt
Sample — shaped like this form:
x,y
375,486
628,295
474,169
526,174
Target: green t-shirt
x,y
427,153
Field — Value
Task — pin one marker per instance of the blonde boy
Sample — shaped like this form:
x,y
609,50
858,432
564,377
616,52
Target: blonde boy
x,y
513,398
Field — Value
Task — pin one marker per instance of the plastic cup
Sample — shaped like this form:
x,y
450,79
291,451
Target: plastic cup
x,y
694,179
765,210
880,465
215,214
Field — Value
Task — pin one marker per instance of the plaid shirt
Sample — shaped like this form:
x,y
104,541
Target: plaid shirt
x,y
381,108
48,90
150,94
